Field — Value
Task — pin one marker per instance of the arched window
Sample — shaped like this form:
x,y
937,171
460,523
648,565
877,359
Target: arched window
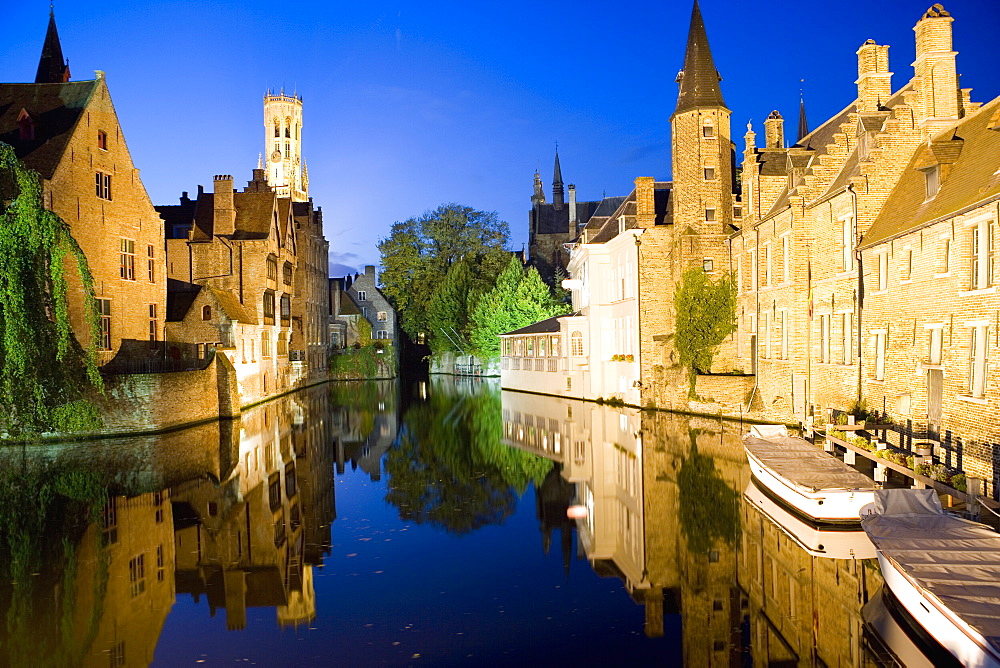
x,y
206,312
288,128
277,128
576,344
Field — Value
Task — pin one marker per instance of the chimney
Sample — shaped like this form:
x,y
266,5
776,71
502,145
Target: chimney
x,y
935,71
774,134
370,272
225,210
335,297
572,208
645,202
874,78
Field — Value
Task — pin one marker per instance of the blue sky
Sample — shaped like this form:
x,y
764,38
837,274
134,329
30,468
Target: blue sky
x,y
410,105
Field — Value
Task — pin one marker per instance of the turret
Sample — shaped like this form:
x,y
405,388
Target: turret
x,y
935,71
285,165
557,185
52,68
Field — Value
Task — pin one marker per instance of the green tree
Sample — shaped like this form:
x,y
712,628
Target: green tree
x,y
45,375
519,298
706,315
418,253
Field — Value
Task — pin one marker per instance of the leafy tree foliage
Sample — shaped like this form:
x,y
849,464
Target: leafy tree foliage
x,y
519,298
706,315
44,373
419,252
448,467
709,507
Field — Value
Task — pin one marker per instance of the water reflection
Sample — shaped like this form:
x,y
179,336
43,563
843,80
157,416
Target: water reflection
x,y
100,542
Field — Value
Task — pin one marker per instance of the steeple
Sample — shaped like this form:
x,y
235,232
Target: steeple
x,y
539,196
803,123
699,80
52,68
557,184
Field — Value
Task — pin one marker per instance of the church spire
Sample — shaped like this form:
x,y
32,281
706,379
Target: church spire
x,y
557,183
803,122
699,80
52,68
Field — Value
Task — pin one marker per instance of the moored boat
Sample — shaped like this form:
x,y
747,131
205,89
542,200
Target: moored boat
x,y
830,542
944,570
811,481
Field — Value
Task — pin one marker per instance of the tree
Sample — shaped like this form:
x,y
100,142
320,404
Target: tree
x,y
518,299
419,252
45,375
706,315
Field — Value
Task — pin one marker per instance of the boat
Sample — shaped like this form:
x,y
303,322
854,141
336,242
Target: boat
x,y
812,482
943,570
895,640
827,541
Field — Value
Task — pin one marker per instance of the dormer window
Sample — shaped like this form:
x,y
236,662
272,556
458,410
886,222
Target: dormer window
x,y
932,180
102,140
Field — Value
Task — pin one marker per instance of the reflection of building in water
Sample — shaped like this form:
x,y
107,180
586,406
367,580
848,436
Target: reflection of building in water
x,y
242,543
314,466
625,467
134,542
802,609
364,424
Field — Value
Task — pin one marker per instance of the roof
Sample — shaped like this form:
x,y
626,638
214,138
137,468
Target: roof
x,y
52,67
180,297
550,220
54,109
347,305
232,307
547,326
974,177
254,213
699,80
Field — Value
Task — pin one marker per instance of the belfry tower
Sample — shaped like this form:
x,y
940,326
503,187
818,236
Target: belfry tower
x,y
703,182
284,167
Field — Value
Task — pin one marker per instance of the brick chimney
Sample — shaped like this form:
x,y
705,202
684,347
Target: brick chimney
x,y
874,78
225,210
645,202
934,70
572,209
774,132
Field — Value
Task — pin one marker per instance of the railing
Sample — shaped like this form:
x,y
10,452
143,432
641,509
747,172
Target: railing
x,y
137,356
296,356
468,369
553,364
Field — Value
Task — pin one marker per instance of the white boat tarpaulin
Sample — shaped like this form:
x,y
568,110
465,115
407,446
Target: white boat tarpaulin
x,y
803,464
956,560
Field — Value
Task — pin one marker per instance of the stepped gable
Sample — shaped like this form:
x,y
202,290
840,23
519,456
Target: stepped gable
x,y
968,154
53,111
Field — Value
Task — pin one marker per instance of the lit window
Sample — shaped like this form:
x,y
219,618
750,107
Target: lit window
x,y
103,185
383,316
576,344
127,260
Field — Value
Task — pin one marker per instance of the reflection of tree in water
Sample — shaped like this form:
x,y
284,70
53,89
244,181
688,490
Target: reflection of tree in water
x,y
449,468
708,505
45,508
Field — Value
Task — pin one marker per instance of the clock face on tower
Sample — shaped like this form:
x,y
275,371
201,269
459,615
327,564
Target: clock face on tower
x,y
276,156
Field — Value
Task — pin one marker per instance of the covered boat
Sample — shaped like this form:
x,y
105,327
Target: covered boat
x,y
811,481
945,571
829,541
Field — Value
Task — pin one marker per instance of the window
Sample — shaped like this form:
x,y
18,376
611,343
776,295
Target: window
x,y
766,325
381,334
707,264
576,344
754,269
277,129
783,324
102,182
542,341
880,355
981,268
272,269
269,306
906,265
847,337
847,244
737,212
977,360
153,326
104,313
206,312
824,338
362,296
265,344
150,264
710,173
274,491
707,130
710,215
127,260
102,140
286,274
935,345
116,655
530,351
286,308
554,346
137,575
290,483
282,345
768,270
382,316
945,261
109,522
932,181
882,272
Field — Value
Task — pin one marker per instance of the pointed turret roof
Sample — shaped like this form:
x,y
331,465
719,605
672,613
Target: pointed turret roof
x,y
52,67
803,123
699,80
558,193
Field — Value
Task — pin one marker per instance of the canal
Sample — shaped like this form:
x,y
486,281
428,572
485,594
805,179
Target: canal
x,y
376,524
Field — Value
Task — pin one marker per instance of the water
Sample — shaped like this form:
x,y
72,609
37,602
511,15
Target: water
x,y
369,524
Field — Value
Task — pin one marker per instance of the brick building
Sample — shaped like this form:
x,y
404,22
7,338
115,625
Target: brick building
x,y
69,133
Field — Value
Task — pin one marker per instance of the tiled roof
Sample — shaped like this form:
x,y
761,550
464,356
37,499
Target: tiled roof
x,y
180,296
54,109
699,80
541,327
974,177
254,214
234,310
